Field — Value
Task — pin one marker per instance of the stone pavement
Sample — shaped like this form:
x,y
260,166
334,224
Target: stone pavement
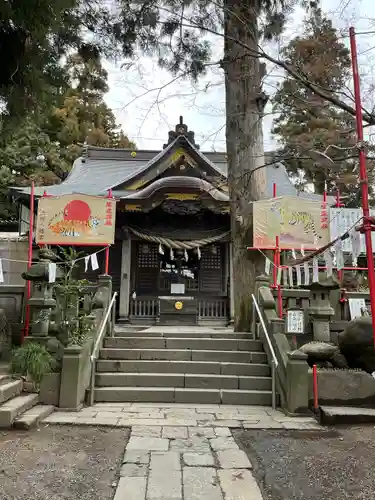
x,y
184,451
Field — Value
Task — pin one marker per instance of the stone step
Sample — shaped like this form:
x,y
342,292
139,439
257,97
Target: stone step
x,y
333,415
5,377
202,381
182,395
210,367
184,355
10,410
224,344
183,334
33,417
9,388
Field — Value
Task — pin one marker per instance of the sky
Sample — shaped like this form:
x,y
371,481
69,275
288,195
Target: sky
x,y
147,102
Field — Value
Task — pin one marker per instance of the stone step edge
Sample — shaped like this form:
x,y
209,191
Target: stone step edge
x,y
33,417
151,337
166,395
121,349
333,415
189,375
177,361
10,389
10,410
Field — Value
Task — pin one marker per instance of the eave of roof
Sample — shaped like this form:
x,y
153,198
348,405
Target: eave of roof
x,y
101,169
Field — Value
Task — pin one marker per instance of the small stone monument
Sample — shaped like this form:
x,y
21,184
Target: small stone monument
x,y
320,309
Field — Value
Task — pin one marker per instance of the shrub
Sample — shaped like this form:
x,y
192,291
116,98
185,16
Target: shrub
x,y
32,361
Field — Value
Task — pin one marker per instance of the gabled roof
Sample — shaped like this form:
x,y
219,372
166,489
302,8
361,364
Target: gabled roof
x,y
101,169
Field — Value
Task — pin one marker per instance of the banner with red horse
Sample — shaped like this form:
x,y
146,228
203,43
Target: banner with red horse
x,y
75,219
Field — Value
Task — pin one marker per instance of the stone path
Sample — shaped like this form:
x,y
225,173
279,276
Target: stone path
x,y
184,451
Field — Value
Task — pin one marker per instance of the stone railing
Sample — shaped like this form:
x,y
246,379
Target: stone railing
x,y
338,300
292,381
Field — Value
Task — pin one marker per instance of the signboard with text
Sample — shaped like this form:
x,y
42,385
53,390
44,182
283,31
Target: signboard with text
x,y
296,221
75,219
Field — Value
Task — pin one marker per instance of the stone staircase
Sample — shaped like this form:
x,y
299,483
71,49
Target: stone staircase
x,y
171,364
19,409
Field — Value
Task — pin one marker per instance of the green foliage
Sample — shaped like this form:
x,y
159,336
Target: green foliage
x,y
32,361
44,146
73,320
180,32
79,333
35,35
306,122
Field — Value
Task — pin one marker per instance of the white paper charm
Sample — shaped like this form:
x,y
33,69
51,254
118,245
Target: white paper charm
x,y
339,255
285,277
302,250
299,277
171,254
94,262
199,253
267,267
186,257
306,273
1,272
355,238
315,270
290,273
51,272
294,254
329,262
161,251
278,280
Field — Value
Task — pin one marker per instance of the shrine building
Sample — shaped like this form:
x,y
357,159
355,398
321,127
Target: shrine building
x,y
172,237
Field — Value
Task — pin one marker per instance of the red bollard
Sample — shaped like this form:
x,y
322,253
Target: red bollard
x,y
315,388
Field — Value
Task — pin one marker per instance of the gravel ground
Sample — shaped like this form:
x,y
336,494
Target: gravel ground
x,y
326,465
60,463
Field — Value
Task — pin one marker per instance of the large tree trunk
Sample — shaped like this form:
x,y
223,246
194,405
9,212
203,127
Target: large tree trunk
x,y
244,108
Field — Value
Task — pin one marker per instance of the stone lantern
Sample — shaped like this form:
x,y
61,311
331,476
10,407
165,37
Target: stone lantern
x,y
320,309
41,302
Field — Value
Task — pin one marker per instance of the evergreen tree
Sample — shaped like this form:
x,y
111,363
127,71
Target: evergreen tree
x,y
44,146
307,123
84,117
34,35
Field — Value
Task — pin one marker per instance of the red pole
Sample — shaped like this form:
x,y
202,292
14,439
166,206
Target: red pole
x,y
315,387
363,177
106,263
25,332
276,266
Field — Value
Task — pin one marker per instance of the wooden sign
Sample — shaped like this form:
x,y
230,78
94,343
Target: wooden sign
x,y
356,307
75,219
295,321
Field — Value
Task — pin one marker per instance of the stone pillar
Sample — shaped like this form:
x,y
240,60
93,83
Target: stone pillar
x,y
231,289
125,279
297,382
260,281
75,376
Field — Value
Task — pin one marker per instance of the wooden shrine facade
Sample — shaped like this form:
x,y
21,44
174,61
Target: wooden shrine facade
x,y
171,260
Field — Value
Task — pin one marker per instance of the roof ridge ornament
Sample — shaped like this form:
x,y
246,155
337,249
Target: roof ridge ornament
x,y
181,129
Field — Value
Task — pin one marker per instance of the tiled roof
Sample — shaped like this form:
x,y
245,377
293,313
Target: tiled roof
x,y
101,169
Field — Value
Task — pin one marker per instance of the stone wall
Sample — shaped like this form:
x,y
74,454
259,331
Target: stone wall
x,y
344,387
12,291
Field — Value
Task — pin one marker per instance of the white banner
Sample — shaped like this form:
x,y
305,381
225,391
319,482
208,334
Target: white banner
x,y
341,220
